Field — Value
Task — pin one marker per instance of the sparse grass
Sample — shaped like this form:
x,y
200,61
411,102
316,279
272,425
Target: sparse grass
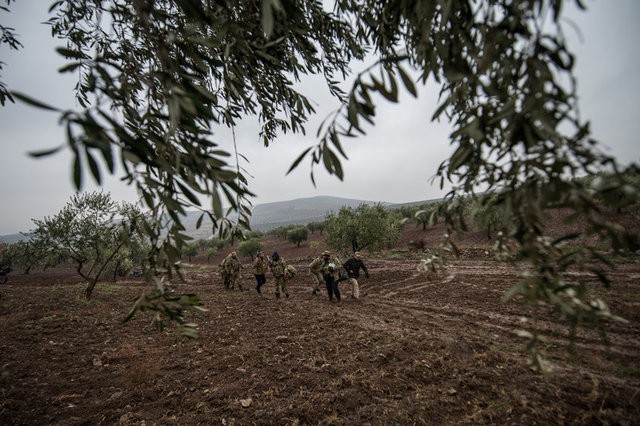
x,y
208,267
106,289
396,255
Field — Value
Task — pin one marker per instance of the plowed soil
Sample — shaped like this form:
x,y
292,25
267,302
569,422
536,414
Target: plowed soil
x,y
417,348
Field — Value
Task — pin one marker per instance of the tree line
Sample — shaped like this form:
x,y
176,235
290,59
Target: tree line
x,y
105,239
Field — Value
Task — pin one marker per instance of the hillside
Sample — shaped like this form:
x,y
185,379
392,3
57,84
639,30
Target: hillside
x,y
303,210
12,238
268,216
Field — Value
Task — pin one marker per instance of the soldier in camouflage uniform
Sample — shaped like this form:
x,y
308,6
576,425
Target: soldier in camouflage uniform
x,y
278,268
260,268
315,270
223,274
331,273
232,266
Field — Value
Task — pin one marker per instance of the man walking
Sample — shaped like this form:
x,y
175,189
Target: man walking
x,y
231,266
260,268
278,268
353,266
331,274
315,270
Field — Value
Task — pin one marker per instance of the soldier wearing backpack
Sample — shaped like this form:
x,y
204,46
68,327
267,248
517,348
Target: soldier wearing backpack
x,y
278,268
315,270
231,266
331,273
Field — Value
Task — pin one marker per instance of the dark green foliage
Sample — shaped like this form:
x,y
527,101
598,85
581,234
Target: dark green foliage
x,y
365,227
190,251
489,212
250,247
253,234
297,235
316,226
93,231
281,231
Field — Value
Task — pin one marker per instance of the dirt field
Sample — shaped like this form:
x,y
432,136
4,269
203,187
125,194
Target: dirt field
x,y
416,349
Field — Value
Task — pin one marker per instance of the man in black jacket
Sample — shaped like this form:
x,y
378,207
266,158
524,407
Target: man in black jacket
x,y
353,266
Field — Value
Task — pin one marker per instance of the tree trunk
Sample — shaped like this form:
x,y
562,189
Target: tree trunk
x,y
89,290
115,270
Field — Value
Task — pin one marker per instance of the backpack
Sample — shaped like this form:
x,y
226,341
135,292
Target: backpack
x,y
290,272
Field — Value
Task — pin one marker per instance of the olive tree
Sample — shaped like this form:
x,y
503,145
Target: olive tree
x,y
190,251
364,227
297,234
157,78
210,252
429,213
423,217
615,191
250,247
25,255
91,230
316,226
490,213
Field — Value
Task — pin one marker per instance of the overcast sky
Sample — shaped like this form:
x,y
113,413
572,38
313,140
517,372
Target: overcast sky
x,y
393,162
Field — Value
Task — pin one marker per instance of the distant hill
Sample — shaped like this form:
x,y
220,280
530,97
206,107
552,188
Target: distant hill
x,y
302,210
268,216
13,238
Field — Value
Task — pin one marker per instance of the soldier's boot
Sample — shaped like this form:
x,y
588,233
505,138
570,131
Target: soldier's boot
x,y
277,295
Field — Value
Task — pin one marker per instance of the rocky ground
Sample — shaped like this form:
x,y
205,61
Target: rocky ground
x,y
417,348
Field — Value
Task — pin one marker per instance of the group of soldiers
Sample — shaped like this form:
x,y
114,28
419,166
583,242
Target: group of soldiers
x,y
326,269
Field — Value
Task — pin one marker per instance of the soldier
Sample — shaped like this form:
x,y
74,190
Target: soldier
x,y
353,266
315,270
331,274
260,267
232,266
278,268
223,274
